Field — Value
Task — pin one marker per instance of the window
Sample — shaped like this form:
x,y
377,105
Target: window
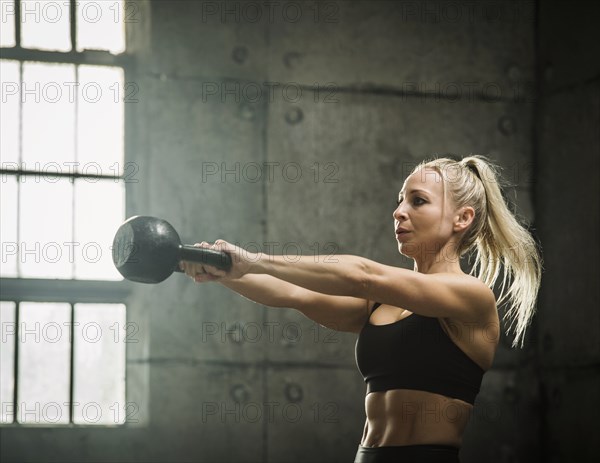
x,y
63,319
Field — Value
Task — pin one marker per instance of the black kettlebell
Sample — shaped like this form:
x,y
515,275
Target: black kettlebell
x,y
148,250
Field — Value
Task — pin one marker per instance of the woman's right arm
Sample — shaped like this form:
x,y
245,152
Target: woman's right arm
x,y
340,313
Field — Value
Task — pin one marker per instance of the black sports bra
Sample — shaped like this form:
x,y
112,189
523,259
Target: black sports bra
x,y
415,353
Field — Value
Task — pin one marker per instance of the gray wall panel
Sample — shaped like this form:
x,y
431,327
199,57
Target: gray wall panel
x,y
193,143
318,414
567,209
567,34
568,188
572,405
205,412
447,47
504,421
211,39
197,152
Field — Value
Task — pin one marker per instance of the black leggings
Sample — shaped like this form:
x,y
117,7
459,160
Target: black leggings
x,y
408,454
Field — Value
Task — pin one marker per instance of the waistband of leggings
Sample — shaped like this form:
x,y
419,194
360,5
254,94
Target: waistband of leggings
x,y
448,448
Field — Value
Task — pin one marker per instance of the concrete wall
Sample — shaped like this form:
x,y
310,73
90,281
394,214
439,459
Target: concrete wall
x,y
567,192
383,85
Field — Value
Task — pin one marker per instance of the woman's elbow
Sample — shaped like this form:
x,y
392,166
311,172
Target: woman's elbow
x,y
362,281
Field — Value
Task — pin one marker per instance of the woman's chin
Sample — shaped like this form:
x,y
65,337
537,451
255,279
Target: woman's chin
x,y
403,250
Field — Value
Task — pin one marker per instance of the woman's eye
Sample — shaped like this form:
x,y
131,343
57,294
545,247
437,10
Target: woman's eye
x,y
422,201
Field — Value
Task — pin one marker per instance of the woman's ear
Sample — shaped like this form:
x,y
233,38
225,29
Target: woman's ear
x,y
464,218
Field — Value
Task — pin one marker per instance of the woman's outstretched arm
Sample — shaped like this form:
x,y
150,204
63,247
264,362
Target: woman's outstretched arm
x,y
437,295
265,290
339,313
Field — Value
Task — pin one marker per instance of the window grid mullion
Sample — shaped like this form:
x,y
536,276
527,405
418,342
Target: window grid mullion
x,y
20,157
73,25
85,291
16,363
76,151
72,363
18,23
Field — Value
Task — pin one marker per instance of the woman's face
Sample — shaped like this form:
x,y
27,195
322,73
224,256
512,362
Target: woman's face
x,y
425,215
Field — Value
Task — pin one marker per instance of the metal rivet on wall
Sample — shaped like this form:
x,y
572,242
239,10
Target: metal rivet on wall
x,y
510,394
507,125
240,54
291,59
294,116
246,111
293,392
239,393
514,73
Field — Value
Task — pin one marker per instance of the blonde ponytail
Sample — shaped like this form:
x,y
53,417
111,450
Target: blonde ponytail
x,y
496,236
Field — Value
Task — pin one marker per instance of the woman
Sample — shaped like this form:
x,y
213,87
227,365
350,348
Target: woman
x,y
426,336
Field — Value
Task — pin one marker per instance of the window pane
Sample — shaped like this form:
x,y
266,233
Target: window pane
x,y
48,92
99,364
44,363
7,361
46,220
7,23
8,225
99,210
100,120
45,25
9,114
100,25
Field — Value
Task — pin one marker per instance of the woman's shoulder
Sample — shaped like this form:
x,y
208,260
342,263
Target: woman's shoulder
x,y
467,279
474,292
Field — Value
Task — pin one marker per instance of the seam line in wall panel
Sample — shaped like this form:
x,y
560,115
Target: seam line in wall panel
x,y
273,364
348,89
542,437
569,87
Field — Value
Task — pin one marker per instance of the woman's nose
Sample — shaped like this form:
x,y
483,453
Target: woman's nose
x,y
399,213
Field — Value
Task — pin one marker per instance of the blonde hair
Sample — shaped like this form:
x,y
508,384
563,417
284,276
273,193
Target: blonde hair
x,y
495,235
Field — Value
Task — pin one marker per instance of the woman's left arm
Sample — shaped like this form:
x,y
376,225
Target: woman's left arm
x,y
338,275
335,275
437,295
432,295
